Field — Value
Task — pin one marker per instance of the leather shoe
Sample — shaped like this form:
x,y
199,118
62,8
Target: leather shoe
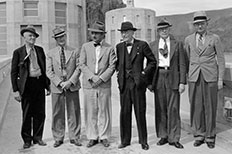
x,y
76,142
177,145
26,145
121,146
57,144
197,143
40,142
105,142
162,141
92,143
211,145
145,146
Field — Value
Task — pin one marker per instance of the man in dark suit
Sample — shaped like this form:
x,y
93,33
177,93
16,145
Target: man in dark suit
x,y
133,79
28,77
168,83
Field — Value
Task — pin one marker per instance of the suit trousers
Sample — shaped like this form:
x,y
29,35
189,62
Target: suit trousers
x,y
203,101
33,110
98,113
133,95
167,107
70,101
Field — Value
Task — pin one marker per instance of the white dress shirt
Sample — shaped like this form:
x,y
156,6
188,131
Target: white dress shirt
x,y
97,51
164,62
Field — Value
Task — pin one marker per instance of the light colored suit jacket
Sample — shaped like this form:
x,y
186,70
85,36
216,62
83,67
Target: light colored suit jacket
x,y
106,63
210,61
54,68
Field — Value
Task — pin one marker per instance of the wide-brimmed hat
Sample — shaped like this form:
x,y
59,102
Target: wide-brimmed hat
x,y
127,26
163,23
58,32
29,28
200,16
98,26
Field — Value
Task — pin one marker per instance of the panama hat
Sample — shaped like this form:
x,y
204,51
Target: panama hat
x,y
163,24
58,32
200,16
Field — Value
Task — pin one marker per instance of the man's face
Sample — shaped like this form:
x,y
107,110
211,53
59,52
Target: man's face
x,y
127,35
164,32
97,36
201,27
61,41
29,38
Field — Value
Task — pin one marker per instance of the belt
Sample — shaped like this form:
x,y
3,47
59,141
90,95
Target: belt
x,y
164,68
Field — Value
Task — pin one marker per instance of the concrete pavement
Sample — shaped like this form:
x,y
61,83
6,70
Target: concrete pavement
x,y
11,142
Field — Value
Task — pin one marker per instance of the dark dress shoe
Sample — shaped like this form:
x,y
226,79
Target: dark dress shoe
x,y
92,143
105,143
40,142
145,146
177,145
26,145
197,143
123,145
162,141
76,142
211,145
57,144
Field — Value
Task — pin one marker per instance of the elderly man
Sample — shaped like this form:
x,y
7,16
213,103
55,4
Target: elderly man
x,y
97,63
63,71
168,83
28,77
133,79
205,73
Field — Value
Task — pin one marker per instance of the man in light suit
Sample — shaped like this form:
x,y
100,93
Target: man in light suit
x,y
29,80
63,71
205,74
97,63
133,80
168,83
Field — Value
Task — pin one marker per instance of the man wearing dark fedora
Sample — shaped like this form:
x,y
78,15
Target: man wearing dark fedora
x,y
63,71
168,83
29,81
133,79
206,66
97,63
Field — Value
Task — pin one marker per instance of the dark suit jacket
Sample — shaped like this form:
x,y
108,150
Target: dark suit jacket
x,y
139,51
20,68
177,63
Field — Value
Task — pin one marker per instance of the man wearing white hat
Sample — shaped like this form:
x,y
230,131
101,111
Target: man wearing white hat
x,y
168,83
97,63
62,70
205,74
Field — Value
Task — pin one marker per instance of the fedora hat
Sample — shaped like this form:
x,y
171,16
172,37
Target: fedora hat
x,y
127,26
29,28
58,32
163,24
200,16
98,26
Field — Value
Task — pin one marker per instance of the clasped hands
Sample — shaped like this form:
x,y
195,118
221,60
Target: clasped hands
x,y
95,81
65,85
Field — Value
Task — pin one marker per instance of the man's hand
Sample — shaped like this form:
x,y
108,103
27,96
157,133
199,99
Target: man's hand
x,y
220,84
181,88
17,96
96,84
95,78
66,85
149,87
47,92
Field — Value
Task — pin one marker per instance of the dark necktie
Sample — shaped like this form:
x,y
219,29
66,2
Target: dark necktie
x,y
128,44
96,44
33,59
200,42
62,59
164,51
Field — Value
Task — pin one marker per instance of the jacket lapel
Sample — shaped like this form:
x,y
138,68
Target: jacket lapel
x,y
172,46
134,50
68,54
206,43
56,54
102,51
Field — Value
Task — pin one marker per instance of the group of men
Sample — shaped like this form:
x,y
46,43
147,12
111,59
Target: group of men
x,y
169,63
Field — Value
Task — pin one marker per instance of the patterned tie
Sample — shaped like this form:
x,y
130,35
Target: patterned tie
x,y
63,65
33,59
200,43
164,51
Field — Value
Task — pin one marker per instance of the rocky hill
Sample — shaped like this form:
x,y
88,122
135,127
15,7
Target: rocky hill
x,y
220,23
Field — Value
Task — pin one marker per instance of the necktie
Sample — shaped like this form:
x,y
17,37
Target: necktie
x,y
164,51
128,44
200,43
33,59
96,44
62,59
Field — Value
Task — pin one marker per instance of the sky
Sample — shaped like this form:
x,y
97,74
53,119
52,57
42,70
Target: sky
x,y
170,7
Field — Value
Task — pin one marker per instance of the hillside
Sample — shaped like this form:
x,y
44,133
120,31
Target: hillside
x,y
220,23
